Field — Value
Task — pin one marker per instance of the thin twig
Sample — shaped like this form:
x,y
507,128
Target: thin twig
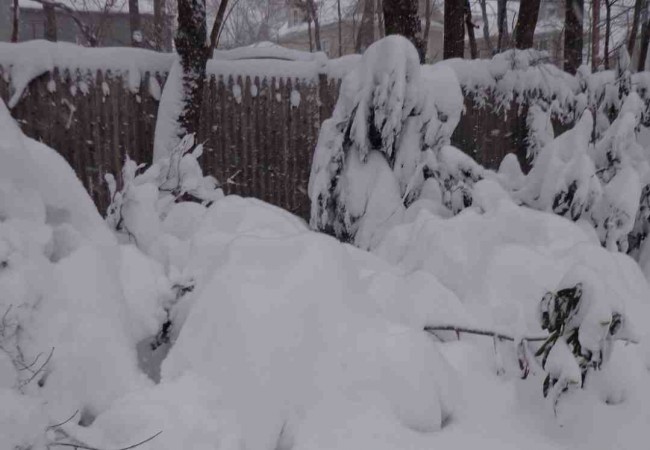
x,y
64,422
85,447
40,369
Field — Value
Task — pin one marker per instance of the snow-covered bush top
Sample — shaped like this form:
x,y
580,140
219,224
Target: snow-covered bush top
x,y
519,76
139,208
391,121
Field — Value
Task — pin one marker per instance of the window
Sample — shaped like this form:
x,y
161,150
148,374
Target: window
x,y
325,45
37,29
296,17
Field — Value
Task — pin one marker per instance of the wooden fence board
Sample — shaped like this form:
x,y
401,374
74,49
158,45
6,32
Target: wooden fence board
x,y
259,132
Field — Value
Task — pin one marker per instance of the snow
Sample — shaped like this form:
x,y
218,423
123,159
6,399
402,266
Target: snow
x,y
167,131
268,335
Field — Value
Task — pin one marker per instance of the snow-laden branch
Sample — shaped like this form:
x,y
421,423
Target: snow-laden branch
x,y
482,332
497,335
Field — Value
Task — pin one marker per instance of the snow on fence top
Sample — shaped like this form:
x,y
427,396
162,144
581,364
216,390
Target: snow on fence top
x,y
268,50
23,62
28,60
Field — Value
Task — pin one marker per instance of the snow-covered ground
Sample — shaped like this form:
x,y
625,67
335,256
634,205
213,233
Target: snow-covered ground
x,y
225,323
289,339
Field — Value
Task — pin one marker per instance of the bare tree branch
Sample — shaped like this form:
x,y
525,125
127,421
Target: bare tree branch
x,y
14,21
217,26
87,31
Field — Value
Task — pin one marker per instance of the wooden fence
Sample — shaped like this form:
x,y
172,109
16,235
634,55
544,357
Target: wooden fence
x,y
259,133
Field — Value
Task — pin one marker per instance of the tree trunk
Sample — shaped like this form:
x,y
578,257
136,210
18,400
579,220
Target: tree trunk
x,y
502,24
526,23
216,27
338,11
595,35
639,5
134,22
401,17
14,21
381,27
643,49
486,27
50,23
573,35
311,43
311,6
366,34
473,50
192,51
158,23
608,28
427,27
454,31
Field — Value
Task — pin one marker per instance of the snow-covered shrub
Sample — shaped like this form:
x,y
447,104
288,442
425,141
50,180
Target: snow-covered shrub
x,y
68,330
521,82
582,327
389,126
148,200
499,259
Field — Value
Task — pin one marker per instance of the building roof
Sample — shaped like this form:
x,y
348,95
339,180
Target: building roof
x,y
327,14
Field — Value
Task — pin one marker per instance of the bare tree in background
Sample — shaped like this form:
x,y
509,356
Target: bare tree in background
x,y
486,27
502,24
573,35
379,9
639,5
401,17
645,41
159,13
429,8
49,26
217,26
247,21
608,29
338,12
308,7
14,21
313,12
526,23
454,31
366,34
595,34
473,50
134,23
92,27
